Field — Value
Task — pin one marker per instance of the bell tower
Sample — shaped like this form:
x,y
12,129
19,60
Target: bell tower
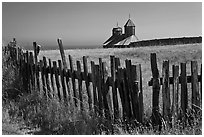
x,y
129,27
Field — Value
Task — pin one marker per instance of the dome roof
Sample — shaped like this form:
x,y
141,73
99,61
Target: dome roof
x,y
129,23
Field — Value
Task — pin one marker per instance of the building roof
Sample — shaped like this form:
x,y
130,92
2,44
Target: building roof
x,y
129,23
128,40
121,40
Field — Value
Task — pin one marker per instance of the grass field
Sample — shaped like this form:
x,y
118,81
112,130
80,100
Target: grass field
x,y
55,118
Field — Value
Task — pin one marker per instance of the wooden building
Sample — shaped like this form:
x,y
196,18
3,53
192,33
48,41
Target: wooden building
x,y
120,39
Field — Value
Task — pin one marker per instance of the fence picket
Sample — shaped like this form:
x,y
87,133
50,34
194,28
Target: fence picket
x,y
201,85
134,94
166,91
114,90
43,78
126,94
51,78
174,108
87,82
73,79
184,90
141,105
80,84
55,70
195,87
95,98
105,90
62,76
48,89
156,89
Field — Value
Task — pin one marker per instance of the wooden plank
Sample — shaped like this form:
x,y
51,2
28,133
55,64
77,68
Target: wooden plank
x,y
62,76
73,79
27,82
141,105
134,93
36,66
32,71
117,63
120,85
184,90
67,76
156,89
114,90
166,91
80,84
126,93
201,85
174,108
105,89
130,86
87,82
99,82
95,98
59,41
53,90
195,87
55,70
48,92
43,78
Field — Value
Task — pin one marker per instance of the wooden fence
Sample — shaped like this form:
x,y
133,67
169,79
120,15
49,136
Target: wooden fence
x,y
115,95
174,107
121,90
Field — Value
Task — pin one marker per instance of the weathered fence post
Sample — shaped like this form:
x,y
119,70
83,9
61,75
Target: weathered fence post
x,y
43,78
156,89
135,92
51,78
80,84
166,92
174,108
87,82
36,66
114,90
141,105
62,76
184,90
47,78
129,87
59,41
105,88
73,79
95,98
195,87
201,85
56,72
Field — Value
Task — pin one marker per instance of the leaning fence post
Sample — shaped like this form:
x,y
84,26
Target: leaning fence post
x,y
156,89
87,82
73,79
114,90
59,41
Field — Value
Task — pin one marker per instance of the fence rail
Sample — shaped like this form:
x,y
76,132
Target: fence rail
x,y
107,93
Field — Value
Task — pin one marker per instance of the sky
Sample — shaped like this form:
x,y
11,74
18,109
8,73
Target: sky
x,y
89,24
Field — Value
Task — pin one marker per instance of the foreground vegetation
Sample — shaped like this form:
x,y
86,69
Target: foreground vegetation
x,y
32,114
